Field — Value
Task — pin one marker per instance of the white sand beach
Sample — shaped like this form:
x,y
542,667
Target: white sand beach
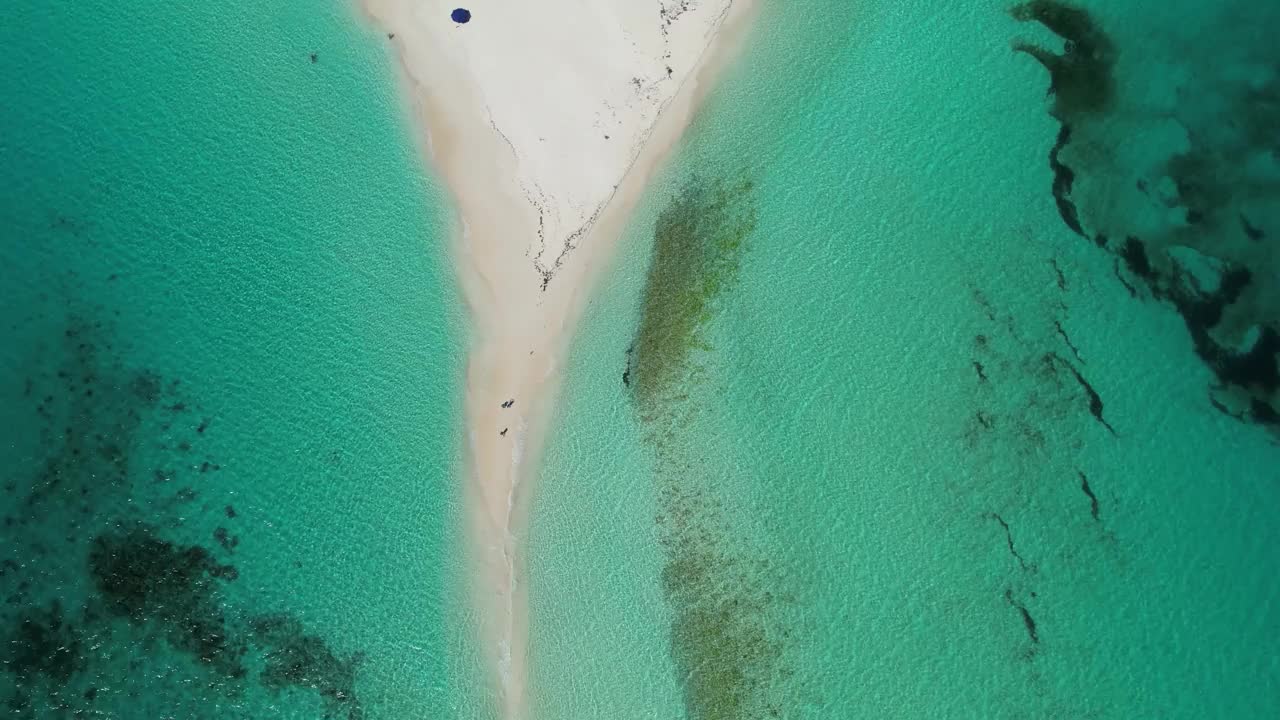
x,y
545,119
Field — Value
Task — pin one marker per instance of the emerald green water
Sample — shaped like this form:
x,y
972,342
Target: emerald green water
x,y
923,453
230,374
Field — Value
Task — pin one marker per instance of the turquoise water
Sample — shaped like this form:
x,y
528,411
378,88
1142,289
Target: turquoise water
x,y
901,401
929,451
230,373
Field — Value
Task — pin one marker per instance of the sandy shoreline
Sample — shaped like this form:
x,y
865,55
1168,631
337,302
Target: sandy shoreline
x,y
545,124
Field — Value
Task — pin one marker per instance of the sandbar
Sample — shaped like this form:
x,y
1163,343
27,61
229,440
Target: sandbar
x,y
545,120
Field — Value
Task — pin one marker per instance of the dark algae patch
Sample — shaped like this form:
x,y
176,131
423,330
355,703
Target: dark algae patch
x,y
1008,536
1056,388
698,241
1080,79
110,606
1063,180
1134,254
1028,622
722,641
1095,400
726,638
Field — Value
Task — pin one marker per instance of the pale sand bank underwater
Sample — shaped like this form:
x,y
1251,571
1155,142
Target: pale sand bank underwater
x,y
545,121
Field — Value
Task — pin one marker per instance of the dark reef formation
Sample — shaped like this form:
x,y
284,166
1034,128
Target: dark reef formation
x,y
1088,492
1064,178
1066,340
1032,404
297,659
45,644
104,604
1028,622
626,372
1210,260
1057,384
145,579
1008,536
1053,361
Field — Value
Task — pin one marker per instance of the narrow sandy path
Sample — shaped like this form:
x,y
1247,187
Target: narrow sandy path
x,y
545,120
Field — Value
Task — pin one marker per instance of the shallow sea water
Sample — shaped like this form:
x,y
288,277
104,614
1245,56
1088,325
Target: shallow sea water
x,y
231,371
933,453
893,419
